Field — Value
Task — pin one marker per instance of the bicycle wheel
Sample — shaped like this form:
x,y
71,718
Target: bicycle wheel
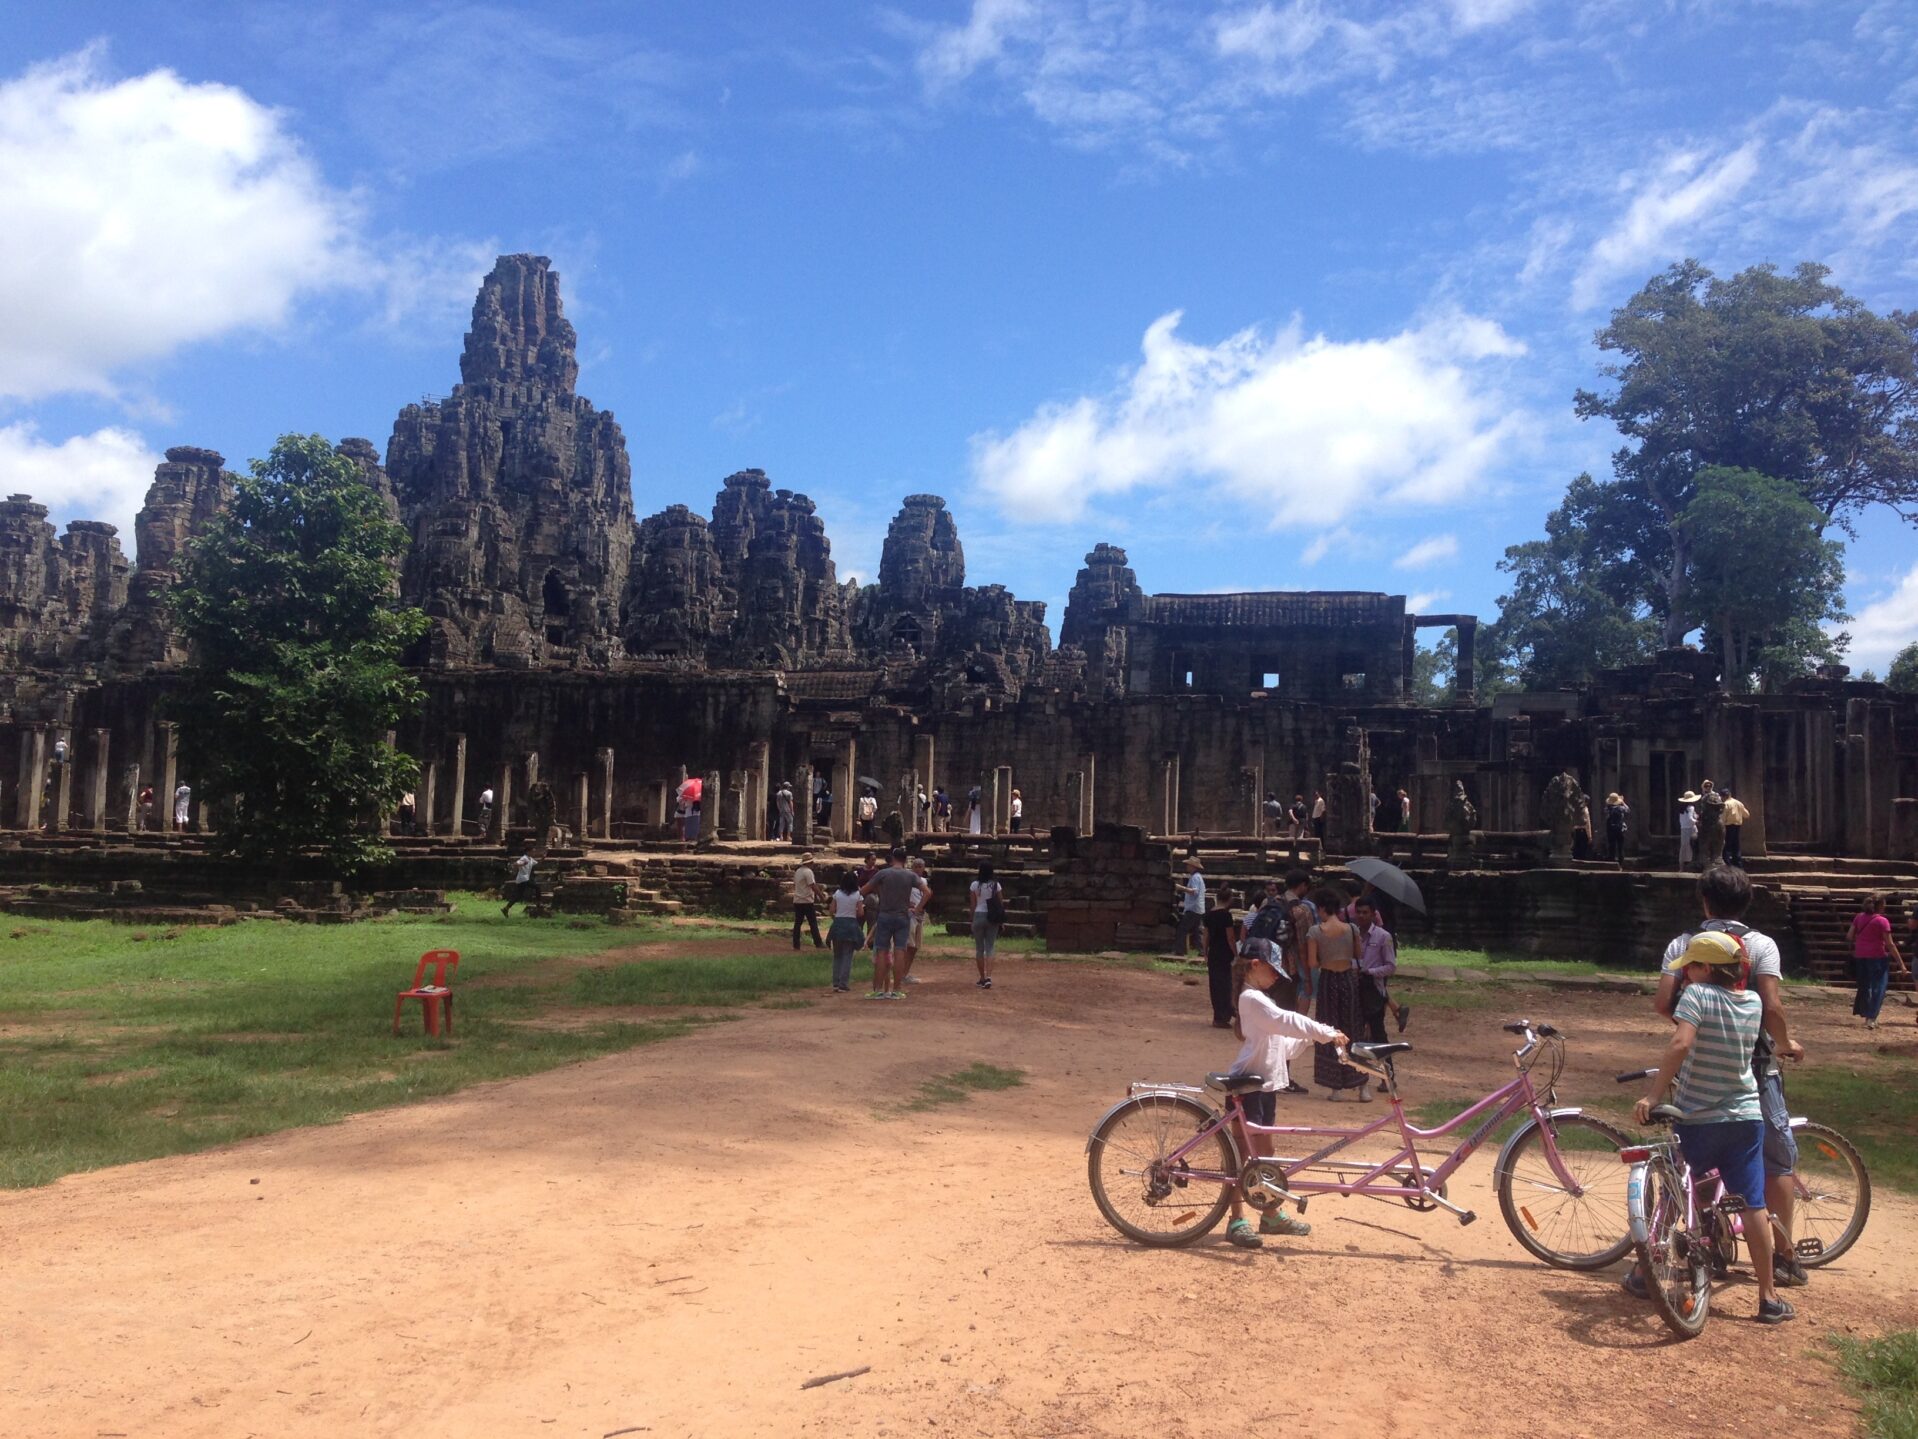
x,y
1143,1195
1675,1257
1834,1194
1586,1228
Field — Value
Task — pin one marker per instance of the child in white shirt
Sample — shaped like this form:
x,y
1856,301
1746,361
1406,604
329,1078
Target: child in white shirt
x,y
1273,1037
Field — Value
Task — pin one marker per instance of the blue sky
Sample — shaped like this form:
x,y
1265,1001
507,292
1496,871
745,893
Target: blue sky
x,y
1275,293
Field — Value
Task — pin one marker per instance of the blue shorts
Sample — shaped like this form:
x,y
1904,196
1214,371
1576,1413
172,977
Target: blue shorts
x,y
1735,1148
893,931
1781,1146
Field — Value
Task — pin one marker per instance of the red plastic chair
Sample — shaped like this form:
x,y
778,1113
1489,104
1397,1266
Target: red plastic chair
x,y
431,996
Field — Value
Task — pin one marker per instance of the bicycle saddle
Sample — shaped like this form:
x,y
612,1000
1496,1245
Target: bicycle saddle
x,y
1235,1083
1667,1114
1377,1051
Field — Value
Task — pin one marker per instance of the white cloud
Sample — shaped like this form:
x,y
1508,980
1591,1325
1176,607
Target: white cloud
x,y
1428,552
101,476
1301,428
1425,600
1882,628
146,214
1685,194
955,51
1338,537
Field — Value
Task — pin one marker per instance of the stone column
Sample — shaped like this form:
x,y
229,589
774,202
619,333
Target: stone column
x,y
582,804
1075,796
502,801
1088,804
63,786
532,770
1253,798
457,826
1465,681
1169,779
923,748
169,774
425,802
605,758
133,797
845,774
33,771
97,781
711,799
662,805
733,816
1002,799
1882,776
802,807
758,787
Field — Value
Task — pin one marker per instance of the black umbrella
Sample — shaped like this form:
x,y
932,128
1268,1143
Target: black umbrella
x,y
1389,879
870,783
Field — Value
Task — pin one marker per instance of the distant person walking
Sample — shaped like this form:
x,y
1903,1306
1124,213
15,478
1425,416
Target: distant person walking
x,y
806,901
1405,812
520,889
868,814
1378,961
941,811
1301,816
784,808
146,806
1191,906
1274,813
920,903
1018,813
1687,828
973,818
692,794
1873,952
1735,816
1318,815
182,806
988,912
846,934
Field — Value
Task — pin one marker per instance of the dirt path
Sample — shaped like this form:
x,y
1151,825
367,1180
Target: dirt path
x,y
670,1241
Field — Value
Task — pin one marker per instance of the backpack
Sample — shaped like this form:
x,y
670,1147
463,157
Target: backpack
x,y
1270,924
996,904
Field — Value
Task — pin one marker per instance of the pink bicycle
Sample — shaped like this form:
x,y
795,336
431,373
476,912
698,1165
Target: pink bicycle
x,y
1164,1163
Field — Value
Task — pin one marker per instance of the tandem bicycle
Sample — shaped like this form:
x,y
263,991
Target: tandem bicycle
x,y
1164,1163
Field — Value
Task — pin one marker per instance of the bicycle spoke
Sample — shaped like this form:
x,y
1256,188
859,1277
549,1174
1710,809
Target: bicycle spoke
x,y
1145,1193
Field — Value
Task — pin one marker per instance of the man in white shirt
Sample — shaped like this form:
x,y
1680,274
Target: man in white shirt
x,y
522,890
182,806
486,811
1725,893
783,807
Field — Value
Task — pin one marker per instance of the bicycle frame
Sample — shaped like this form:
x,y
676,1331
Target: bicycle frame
x,y
1513,1097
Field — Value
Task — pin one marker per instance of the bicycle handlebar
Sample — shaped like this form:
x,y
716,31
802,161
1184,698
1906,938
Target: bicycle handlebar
x,y
1634,1076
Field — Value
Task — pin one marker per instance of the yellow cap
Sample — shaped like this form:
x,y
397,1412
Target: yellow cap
x,y
1712,946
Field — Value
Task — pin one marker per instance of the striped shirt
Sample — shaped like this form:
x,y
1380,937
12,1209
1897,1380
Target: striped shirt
x,y
1716,1083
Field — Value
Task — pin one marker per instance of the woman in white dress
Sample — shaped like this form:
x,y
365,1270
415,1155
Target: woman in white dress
x,y
1687,827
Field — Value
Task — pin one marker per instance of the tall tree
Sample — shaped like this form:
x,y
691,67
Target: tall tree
x,y
288,604
1785,375
1903,674
1762,577
1575,606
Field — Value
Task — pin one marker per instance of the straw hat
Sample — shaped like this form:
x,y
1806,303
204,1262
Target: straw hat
x,y
1712,946
1690,796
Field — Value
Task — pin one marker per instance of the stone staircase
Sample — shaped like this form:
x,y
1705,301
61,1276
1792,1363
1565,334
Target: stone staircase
x,y
1822,914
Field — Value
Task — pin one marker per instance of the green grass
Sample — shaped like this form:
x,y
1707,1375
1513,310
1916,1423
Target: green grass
x,y
962,1084
1873,1102
1883,1373
122,1044
714,980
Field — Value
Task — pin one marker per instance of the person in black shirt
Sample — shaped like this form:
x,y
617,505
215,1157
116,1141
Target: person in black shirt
x,y
1221,944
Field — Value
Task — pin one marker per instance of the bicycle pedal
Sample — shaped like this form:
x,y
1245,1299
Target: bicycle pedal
x,y
1467,1217
1808,1248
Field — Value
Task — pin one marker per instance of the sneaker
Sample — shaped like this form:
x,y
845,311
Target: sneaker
x,y
1277,1221
878,994
1405,1013
987,981
914,979
1775,1311
979,984
1239,1232
1365,1094
1788,1273
1634,1285
895,994
1221,1024
1294,1087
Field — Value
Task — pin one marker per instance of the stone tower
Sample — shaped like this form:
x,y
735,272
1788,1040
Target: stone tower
x,y
516,491
187,492
1105,598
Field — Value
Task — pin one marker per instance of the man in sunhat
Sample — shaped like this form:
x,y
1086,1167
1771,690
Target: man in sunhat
x,y
806,901
1191,906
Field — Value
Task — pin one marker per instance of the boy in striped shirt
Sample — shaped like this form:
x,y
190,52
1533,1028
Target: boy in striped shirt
x,y
1716,1024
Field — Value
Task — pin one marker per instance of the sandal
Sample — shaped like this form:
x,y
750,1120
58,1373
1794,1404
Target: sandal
x,y
1240,1232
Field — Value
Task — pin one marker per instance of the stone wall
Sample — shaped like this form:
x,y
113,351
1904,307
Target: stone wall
x,y
1110,889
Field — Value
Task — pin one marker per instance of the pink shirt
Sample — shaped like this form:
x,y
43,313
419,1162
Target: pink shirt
x,y
1870,934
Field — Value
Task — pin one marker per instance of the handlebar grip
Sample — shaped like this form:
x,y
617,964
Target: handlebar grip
x,y
1636,1074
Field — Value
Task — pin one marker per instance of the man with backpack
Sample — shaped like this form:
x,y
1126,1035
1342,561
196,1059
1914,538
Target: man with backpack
x,y
1725,893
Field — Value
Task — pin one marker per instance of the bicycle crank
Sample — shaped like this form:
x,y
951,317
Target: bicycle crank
x,y
1263,1184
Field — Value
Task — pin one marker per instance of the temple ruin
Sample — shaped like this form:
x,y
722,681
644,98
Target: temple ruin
x,y
612,655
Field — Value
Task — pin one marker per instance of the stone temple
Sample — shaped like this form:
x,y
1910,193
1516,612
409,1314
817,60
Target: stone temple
x,y
612,654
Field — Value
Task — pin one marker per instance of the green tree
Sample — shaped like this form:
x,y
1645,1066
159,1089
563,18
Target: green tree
x,y
1435,671
1903,674
1762,576
287,602
1575,605
1784,375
